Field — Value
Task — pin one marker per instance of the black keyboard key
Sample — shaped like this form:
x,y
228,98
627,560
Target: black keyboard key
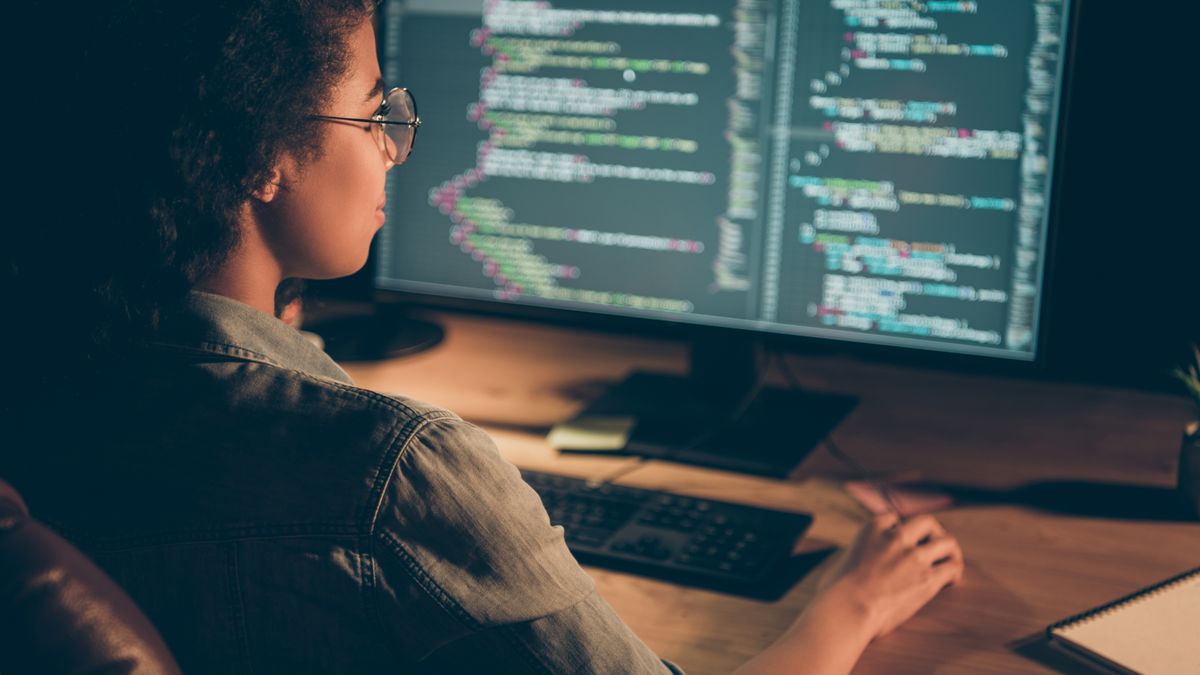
x,y
587,535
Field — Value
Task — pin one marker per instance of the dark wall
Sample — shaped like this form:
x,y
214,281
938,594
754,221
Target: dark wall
x,y
1126,286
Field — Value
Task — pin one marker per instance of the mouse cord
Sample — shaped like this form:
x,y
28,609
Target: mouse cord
x,y
840,455
623,470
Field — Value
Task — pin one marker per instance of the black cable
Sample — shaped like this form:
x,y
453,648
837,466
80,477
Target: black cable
x,y
837,453
883,487
642,459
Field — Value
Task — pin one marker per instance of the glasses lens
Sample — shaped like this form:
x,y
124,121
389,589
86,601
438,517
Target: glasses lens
x,y
383,136
400,137
384,139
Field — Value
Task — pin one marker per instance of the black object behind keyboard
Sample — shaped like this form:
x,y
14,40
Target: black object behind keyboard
x,y
683,539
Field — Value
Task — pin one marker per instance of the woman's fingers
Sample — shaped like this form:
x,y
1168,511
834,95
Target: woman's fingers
x,y
949,572
885,521
920,528
938,549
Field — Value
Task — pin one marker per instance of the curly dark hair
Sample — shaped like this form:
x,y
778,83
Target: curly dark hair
x,y
158,120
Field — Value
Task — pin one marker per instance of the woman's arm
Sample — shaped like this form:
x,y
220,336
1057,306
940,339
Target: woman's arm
x,y
891,571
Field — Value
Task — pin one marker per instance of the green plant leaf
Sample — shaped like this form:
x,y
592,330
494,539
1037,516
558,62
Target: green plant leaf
x,y
1190,376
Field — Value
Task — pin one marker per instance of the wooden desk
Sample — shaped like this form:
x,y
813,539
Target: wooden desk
x,y
1025,568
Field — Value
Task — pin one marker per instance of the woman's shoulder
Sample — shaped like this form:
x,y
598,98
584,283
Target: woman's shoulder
x,y
216,446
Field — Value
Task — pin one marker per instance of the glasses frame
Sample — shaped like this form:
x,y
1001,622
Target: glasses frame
x,y
414,123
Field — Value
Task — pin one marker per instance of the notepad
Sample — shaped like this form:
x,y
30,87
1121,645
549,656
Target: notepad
x,y
1155,631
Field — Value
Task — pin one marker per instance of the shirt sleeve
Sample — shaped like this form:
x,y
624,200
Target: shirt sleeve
x,y
469,575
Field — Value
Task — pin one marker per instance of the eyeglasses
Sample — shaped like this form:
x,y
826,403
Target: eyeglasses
x,y
394,126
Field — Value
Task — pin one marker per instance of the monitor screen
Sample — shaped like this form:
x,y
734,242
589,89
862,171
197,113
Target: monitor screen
x,y
863,170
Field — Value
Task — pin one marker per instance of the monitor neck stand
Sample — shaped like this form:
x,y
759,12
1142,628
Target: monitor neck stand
x,y
387,332
720,415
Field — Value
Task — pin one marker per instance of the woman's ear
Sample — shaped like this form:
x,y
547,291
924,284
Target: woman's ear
x,y
267,192
286,172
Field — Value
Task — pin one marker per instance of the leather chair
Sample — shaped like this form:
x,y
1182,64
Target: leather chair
x,y
59,613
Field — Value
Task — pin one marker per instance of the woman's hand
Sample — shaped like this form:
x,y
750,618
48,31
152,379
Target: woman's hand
x,y
895,568
891,570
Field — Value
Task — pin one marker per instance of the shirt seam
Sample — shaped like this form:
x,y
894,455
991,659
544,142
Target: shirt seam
x,y
448,602
213,348
418,573
239,604
391,459
239,352
368,573
388,402
427,583
510,634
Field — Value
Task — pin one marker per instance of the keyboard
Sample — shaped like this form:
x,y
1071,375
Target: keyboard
x,y
701,542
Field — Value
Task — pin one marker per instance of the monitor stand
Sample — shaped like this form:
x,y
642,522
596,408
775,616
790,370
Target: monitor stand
x,y
387,332
695,419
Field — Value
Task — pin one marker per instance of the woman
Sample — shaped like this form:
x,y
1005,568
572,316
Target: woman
x,y
265,513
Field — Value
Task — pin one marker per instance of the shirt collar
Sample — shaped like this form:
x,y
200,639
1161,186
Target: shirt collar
x,y
219,325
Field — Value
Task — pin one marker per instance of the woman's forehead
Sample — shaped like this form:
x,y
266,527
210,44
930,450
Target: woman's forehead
x,y
365,77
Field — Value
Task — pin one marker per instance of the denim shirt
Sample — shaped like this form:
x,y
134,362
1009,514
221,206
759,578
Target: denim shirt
x,y
269,516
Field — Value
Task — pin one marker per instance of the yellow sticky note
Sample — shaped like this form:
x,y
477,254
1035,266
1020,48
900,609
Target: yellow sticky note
x,y
593,433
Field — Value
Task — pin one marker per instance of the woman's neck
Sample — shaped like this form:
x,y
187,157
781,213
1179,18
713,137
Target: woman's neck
x,y
250,274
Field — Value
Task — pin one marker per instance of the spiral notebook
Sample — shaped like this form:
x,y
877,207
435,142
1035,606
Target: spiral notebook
x,y
1155,631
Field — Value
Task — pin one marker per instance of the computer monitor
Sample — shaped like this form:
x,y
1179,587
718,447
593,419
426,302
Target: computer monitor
x,y
858,171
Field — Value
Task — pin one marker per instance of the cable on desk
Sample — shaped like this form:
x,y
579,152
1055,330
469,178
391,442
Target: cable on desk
x,y
621,471
837,453
883,488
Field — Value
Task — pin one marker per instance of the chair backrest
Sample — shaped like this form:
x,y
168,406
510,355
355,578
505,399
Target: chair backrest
x,y
59,613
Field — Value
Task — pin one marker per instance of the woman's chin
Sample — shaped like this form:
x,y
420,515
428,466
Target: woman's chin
x,y
336,269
